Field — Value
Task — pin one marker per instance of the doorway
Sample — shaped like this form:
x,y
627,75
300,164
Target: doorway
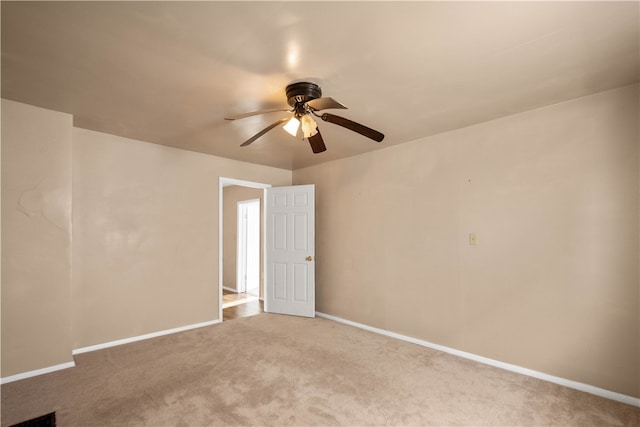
x,y
240,261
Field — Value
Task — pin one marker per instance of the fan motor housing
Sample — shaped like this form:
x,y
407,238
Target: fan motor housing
x,y
302,92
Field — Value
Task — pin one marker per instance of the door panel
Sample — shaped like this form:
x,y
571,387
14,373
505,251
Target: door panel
x,y
279,222
300,242
280,281
290,250
300,285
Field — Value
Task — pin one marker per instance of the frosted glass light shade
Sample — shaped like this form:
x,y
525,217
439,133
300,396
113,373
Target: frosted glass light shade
x,y
292,126
309,126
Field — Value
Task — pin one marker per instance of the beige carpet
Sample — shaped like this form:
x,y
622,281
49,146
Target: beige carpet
x,y
281,370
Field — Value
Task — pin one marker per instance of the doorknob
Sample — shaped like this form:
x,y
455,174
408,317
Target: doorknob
x,y
309,258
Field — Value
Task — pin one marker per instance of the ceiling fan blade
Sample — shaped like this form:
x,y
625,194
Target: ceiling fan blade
x,y
351,125
317,143
263,131
253,113
325,104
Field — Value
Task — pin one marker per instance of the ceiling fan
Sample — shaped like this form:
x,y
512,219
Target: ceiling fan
x,y
306,100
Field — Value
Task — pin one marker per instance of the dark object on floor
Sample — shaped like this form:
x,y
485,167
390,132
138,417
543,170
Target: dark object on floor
x,y
48,420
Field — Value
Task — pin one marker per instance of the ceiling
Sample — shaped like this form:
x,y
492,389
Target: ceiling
x,y
168,72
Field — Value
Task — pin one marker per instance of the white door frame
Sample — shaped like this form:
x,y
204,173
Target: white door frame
x,y
226,182
245,221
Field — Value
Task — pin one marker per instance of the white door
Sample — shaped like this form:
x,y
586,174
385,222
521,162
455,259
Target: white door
x,y
248,242
290,250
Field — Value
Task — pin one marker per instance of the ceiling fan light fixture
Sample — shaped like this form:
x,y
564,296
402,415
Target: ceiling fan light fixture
x,y
292,126
309,126
306,100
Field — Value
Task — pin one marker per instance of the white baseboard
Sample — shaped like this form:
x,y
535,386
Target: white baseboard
x,y
43,371
142,337
226,288
36,372
619,397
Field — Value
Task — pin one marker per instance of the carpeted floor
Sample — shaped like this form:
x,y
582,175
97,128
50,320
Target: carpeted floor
x,y
281,370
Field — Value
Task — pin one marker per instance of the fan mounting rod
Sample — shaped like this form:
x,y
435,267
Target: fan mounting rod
x,y
302,92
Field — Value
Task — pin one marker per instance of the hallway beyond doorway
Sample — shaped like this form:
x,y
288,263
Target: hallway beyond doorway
x,y
236,305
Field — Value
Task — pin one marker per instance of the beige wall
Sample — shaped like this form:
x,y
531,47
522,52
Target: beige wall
x,y
231,196
146,235
36,238
143,253
552,194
